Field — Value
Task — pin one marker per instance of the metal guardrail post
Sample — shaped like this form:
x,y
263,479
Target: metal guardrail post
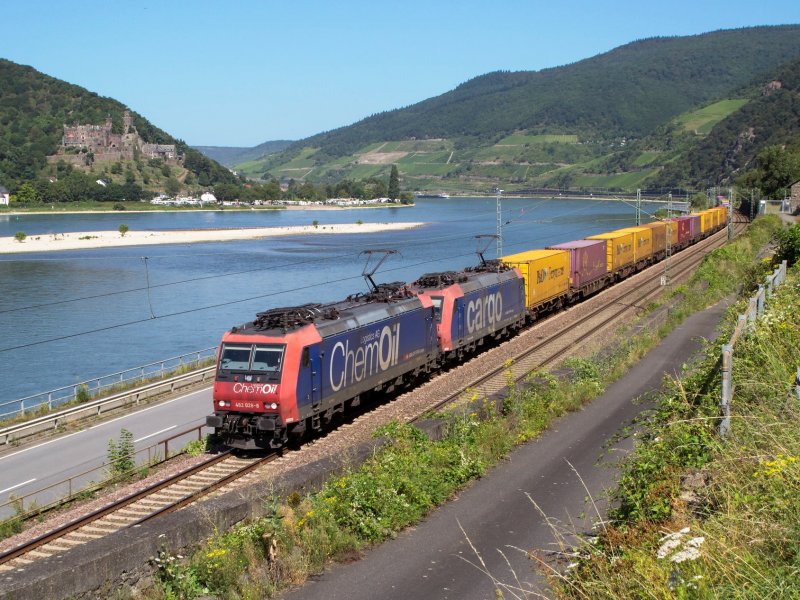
x,y
797,384
725,402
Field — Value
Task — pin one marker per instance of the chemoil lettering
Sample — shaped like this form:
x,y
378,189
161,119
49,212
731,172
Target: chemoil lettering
x,y
255,388
484,312
374,355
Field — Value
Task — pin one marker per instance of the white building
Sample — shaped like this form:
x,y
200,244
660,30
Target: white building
x,y
5,196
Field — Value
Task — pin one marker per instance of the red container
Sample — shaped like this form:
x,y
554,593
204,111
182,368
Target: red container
x,y
684,225
587,260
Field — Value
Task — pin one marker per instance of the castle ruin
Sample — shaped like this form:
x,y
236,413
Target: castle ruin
x,y
83,144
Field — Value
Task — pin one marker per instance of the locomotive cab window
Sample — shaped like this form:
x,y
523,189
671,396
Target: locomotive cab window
x,y
267,358
305,359
437,308
235,357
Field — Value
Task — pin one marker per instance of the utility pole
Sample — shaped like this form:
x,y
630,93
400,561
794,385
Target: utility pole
x,y
638,207
668,249
730,214
499,224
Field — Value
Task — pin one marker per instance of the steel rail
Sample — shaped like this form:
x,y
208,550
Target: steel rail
x,y
496,379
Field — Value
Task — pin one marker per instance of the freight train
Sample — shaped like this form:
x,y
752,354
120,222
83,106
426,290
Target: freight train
x,y
292,370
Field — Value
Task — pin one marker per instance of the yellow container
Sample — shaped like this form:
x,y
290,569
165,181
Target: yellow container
x,y
706,221
546,274
672,233
723,216
619,249
659,230
642,242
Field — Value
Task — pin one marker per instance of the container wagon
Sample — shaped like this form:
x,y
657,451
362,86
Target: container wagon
x,y
546,275
588,271
659,238
642,245
619,253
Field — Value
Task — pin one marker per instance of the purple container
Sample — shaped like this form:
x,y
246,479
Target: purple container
x,y
587,260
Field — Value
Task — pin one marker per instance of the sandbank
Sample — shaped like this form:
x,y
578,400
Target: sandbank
x,y
50,242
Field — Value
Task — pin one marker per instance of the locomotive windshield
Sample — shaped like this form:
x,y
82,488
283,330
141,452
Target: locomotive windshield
x,y
258,358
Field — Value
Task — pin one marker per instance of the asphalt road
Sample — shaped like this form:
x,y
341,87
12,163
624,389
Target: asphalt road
x,y
482,536
38,466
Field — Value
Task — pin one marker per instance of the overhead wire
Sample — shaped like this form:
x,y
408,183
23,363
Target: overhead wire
x,y
232,302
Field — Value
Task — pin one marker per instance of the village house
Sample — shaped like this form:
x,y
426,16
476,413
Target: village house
x,y
5,196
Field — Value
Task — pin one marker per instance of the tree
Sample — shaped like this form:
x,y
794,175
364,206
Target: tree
x,y
27,194
172,187
20,236
699,201
123,229
394,184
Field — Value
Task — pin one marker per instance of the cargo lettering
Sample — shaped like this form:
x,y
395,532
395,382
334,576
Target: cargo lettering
x,y
543,275
484,312
255,388
377,352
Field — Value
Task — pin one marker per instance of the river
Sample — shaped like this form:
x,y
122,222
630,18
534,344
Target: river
x,y
50,302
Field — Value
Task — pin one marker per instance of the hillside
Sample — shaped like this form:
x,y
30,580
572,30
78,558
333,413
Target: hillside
x,y
563,127
33,109
772,118
231,155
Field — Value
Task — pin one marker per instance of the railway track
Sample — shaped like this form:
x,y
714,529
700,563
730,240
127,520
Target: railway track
x,y
226,470
547,351
157,499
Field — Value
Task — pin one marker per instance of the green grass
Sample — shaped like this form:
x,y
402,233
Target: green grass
x,y
398,485
645,158
702,121
622,180
425,158
520,139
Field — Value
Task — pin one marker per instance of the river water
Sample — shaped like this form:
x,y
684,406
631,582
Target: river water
x,y
51,302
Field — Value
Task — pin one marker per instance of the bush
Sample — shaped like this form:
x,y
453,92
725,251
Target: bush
x,y
121,454
789,244
119,206
20,236
123,229
82,394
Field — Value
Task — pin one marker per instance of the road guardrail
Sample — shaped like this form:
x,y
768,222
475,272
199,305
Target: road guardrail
x,y
94,408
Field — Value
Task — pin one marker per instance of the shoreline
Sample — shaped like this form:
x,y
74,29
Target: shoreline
x,y
49,242
93,211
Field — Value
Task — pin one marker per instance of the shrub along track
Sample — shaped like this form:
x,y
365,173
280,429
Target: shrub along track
x,y
543,344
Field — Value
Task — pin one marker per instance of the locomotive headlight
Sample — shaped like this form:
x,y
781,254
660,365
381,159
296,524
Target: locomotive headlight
x,y
222,403
273,406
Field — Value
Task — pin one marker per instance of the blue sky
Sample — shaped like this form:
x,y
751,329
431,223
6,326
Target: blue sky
x,y
241,72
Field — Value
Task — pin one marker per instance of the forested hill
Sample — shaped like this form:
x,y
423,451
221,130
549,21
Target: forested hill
x,y
628,91
34,107
771,119
230,156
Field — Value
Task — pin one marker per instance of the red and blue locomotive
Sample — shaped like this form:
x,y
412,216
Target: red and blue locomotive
x,y
471,306
293,369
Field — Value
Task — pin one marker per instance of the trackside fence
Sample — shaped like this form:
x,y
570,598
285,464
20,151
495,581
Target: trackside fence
x,y
94,388
84,483
755,308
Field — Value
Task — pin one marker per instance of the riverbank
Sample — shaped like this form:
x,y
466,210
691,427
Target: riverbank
x,y
85,240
